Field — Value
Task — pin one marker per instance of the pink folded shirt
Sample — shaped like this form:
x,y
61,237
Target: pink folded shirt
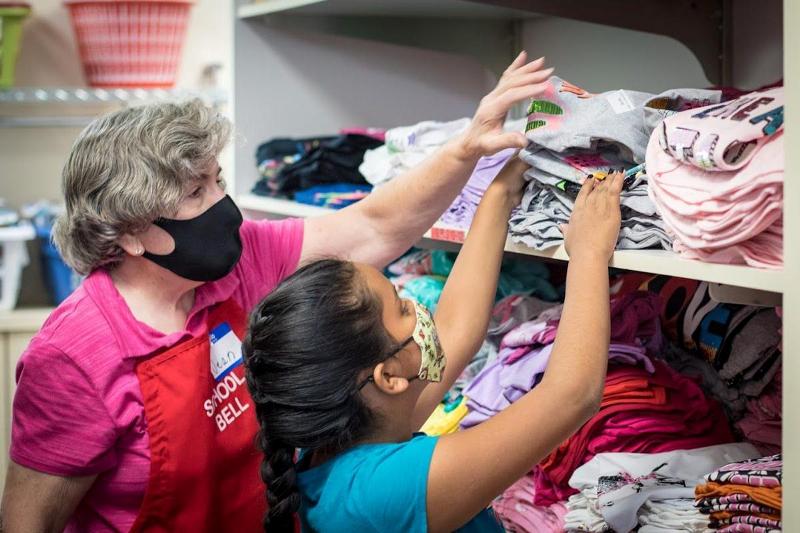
x,y
723,217
78,409
724,136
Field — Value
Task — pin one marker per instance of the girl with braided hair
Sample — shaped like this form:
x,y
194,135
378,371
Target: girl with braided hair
x,y
342,369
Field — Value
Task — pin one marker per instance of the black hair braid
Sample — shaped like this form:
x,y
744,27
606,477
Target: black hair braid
x,y
279,475
307,343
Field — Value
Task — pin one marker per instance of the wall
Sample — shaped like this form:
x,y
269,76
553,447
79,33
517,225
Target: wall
x,y
291,83
602,58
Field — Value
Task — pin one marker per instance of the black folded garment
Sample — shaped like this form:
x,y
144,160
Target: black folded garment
x,y
290,165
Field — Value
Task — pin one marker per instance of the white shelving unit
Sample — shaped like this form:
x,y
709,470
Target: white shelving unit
x,y
17,103
333,56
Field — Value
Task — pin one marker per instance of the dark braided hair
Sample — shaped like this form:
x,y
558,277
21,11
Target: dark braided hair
x,y
305,347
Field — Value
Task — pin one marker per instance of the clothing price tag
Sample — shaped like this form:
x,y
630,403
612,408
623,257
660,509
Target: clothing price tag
x,y
448,234
620,102
226,350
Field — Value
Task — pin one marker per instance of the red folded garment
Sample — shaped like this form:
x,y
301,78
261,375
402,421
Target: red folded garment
x,y
664,411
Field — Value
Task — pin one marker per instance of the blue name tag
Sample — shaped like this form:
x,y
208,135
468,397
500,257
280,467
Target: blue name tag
x,y
226,351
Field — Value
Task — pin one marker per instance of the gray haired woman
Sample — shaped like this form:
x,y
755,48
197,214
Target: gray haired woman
x,y
131,411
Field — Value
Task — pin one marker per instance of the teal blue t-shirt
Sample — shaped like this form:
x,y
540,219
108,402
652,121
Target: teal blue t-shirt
x,y
375,487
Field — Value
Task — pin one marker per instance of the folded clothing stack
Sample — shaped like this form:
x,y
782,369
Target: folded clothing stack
x,y
507,314
517,512
573,134
740,348
333,196
407,147
525,352
716,177
655,492
276,154
517,276
289,165
640,413
744,496
763,420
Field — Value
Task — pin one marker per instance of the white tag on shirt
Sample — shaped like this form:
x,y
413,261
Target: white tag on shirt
x,y
620,102
226,351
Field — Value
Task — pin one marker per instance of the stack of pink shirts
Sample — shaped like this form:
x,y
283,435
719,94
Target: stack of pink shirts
x,y
716,177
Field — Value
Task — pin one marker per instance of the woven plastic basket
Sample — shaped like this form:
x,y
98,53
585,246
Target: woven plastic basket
x,y
130,43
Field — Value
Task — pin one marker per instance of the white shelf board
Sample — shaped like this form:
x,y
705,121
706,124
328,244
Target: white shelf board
x,y
279,207
89,100
20,320
89,95
650,261
394,8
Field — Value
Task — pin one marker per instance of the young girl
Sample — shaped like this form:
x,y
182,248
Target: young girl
x,y
342,368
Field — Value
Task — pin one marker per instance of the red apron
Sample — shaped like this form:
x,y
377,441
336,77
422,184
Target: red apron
x,y
204,464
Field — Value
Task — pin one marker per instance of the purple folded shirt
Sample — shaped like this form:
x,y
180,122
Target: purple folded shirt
x,y
462,210
503,382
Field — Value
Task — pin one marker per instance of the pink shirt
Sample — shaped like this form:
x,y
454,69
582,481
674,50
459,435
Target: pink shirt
x,y
78,409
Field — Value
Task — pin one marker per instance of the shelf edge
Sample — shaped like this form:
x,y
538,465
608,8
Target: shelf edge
x,y
660,262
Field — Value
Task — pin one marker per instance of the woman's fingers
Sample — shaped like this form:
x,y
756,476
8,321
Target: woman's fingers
x,y
536,64
518,62
512,96
530,78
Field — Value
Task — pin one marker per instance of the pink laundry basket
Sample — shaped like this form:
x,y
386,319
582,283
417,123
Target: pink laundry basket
x,y
130,43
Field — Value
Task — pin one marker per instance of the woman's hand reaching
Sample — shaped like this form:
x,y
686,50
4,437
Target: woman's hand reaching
x,y
522,80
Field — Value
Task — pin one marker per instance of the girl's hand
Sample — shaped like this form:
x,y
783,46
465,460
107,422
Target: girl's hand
x,y
593,228
510,181
520,81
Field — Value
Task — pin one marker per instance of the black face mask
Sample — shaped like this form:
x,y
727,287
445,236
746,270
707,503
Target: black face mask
x,y
207,247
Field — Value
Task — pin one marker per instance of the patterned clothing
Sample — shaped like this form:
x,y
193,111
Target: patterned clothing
x,y
764,472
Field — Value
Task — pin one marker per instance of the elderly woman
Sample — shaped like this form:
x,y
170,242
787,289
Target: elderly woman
x,y
131,410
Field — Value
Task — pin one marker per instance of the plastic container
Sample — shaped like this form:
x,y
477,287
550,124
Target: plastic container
x,y
130,43
59,279
11,16
13,259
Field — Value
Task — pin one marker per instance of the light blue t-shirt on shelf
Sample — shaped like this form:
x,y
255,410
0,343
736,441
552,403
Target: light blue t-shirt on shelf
x,y
375,487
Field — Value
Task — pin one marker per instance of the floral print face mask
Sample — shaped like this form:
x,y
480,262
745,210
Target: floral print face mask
x,y
426,337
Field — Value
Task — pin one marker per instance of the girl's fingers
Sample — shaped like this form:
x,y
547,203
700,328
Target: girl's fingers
x,y
616,183
586,188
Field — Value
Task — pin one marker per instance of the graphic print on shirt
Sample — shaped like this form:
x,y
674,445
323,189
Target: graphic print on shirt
x,y
608,484
225,356
543,106
690,145
763,472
